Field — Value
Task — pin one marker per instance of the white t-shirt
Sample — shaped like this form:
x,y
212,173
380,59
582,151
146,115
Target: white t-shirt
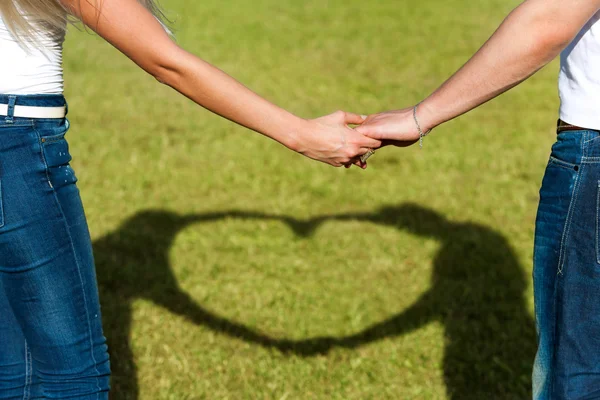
x,y
579,79
36,70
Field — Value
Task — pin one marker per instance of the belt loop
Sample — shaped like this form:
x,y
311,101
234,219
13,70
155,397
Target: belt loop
x,y
12,99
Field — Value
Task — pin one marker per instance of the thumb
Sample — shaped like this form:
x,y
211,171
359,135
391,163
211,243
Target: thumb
x,y
369,131
355,119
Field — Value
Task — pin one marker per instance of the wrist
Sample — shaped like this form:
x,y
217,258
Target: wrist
x,y
427,115
292,133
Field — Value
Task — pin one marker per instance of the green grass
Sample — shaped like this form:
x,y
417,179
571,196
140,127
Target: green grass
x,y
231,268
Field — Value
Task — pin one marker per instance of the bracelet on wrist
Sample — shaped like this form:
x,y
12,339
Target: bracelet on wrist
x,y
421,133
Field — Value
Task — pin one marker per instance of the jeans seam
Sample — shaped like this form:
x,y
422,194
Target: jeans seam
x,y
552,379
17,124
71,244
565,235
43,157
561,260
567,227
28,373
87,312
597,224
590,160
1,206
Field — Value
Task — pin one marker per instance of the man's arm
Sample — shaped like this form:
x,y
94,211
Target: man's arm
x,y
530,37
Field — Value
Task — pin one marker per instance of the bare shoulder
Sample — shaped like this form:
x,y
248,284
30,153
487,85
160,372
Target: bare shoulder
x,y
129,26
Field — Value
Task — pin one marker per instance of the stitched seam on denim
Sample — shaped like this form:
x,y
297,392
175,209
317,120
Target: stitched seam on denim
x,y
585,136
46,168
87,312
597,226
590,160
551,384
78,268
566,231
567,227
591,140
28,371
1,206
560,163
53,139
17,125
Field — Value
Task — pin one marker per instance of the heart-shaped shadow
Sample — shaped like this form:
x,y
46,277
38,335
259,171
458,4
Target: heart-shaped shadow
x,y
477,293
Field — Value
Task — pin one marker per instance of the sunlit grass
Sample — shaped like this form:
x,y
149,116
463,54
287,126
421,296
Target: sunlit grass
x,y
231,268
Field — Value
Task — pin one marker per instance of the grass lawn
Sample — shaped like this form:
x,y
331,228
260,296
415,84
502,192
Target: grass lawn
x,y
232,268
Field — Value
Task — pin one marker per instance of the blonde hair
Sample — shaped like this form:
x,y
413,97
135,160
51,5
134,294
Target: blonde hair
x,y
31,20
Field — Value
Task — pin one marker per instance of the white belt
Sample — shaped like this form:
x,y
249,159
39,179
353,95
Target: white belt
x,y
35,112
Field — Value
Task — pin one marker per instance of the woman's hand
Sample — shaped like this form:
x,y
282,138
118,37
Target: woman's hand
x,y
329,139
397,128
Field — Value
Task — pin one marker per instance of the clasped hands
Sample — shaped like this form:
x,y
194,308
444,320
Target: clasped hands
x,y
331,140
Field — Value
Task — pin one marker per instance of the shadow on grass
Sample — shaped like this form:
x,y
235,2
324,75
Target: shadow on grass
x,y
477,293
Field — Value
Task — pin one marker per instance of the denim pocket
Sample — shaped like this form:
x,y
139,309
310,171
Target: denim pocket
x,y
567,150
55,151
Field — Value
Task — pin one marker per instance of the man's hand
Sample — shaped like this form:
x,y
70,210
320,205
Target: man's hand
x,y
329,139
397,128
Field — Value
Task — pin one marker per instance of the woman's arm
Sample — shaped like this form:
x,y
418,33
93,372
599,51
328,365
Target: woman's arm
x,y
530,37
132,29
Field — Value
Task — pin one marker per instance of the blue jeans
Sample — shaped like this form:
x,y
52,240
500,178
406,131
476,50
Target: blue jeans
x,y
51,340
567,271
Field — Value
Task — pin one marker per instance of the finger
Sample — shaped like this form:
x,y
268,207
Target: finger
x,y
369,131
354,119
363,140
362,151
355,161
360,164
369,143
374,134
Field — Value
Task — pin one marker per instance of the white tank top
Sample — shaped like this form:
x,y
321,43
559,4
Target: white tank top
x,y
37,70
579,79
